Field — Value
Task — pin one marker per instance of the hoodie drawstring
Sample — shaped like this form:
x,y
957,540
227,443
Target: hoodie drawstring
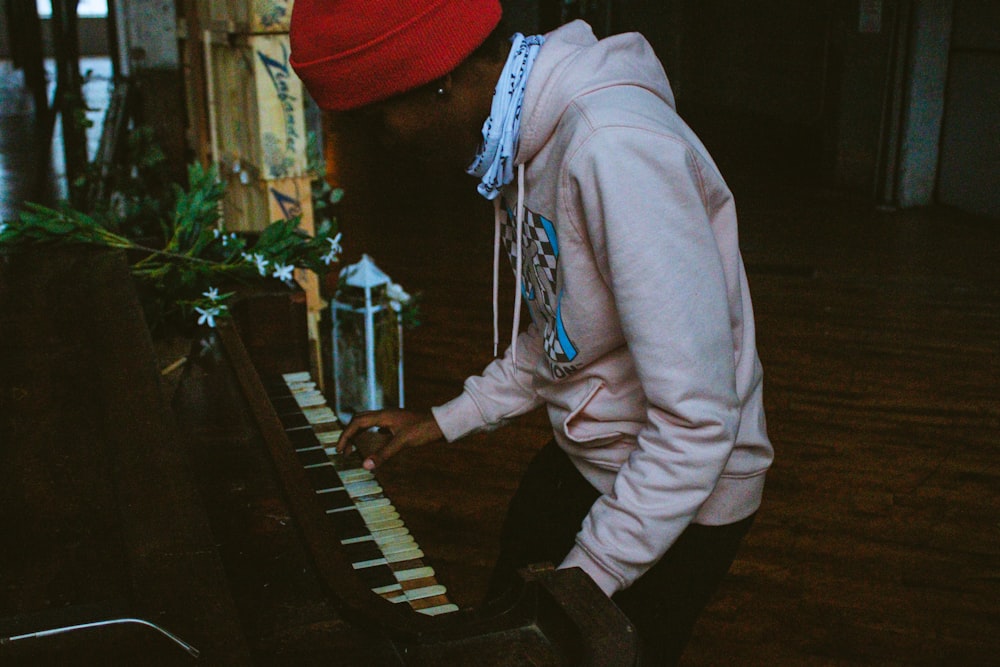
x,y
516,325
496,273
518,283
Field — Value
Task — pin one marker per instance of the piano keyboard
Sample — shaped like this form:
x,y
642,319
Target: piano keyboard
x,y
383,553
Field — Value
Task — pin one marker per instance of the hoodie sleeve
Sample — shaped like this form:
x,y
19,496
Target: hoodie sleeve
x,y
638,196
502,391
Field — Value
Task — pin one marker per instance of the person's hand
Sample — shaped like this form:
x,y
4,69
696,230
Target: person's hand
x,y
406,428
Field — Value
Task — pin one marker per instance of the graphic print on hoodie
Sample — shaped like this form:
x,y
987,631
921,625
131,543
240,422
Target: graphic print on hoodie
x,y
539,262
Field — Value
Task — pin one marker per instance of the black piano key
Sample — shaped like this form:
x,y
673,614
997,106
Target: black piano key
x,y
332,500
362,551
275,385
324,477
313,456
377,576
285,404
303,438
348,524
293,420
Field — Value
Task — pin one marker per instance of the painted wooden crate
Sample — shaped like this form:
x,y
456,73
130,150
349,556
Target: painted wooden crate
x,y
247,16
252,204
257,108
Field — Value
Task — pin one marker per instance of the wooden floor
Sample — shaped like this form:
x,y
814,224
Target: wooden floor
x,y
878,542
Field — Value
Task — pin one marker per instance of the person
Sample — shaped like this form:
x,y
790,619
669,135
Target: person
x,y
623,238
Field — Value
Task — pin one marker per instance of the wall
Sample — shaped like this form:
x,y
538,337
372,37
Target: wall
x,y
970,148
923,103
868,78
754,80
4,41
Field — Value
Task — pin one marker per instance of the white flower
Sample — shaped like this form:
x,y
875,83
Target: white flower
x,y
208,315
216,232
335,244
261,263
3,227
206,345
283,272
212,294
335,249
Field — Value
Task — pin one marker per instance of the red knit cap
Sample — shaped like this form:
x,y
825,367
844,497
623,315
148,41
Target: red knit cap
x,y
349,54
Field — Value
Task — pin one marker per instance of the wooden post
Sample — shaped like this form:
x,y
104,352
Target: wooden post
x,y
69,84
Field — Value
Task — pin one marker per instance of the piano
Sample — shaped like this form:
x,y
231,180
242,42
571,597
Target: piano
x,y
220,529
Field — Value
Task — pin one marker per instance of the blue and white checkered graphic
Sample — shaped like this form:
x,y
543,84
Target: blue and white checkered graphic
x,y
539,260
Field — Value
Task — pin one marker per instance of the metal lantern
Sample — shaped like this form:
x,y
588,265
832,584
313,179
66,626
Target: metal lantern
x,y
367,341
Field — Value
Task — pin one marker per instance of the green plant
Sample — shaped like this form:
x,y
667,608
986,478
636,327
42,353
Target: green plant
x,y
181,277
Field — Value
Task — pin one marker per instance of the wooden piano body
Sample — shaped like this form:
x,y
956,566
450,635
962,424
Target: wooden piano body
x,y
199,517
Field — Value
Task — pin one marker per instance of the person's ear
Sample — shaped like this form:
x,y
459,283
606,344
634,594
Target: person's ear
x,y
442,87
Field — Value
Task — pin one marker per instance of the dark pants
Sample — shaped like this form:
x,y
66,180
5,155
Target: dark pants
x,y
541,526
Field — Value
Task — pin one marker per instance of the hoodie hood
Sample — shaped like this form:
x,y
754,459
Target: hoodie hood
x,y
571,63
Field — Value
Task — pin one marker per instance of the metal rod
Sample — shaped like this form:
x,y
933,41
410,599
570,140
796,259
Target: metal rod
x,y
96,624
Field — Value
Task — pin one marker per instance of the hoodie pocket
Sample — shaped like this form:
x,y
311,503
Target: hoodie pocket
x,y
582,426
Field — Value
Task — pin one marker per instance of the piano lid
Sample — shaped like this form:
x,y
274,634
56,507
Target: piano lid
x,y
96,499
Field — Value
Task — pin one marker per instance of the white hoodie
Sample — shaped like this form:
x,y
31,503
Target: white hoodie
x,y
642,343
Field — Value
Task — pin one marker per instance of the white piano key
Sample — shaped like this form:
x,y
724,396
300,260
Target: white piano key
x,y
383,537
300,376
404,544
309,399
360,565
414,573
345,508
355,475
379,514
318,465
395,540
328,437
399,557
361,489
384,525
391,588
425,592
374,505
439,609
319,415
389,533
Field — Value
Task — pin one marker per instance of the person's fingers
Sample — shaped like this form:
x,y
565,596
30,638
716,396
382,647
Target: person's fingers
x,y
418,431
360,422
404,428
384,453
